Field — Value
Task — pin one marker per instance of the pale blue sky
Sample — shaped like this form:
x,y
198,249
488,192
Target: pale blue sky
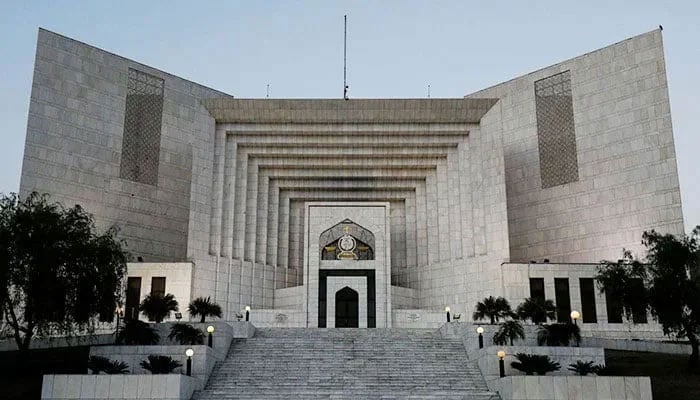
x,y
395,49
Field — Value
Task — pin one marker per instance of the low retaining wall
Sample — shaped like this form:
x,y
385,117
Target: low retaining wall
x,y
574,387
203,360
488,361
639,345
421,319
278,318
151,387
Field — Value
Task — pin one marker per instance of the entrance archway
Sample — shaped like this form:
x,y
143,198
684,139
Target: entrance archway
x,y
347,308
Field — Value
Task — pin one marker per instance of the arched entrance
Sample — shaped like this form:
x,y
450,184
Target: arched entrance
x,y
347,308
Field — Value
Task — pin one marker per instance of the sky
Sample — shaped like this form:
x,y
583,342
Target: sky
x,y
395,49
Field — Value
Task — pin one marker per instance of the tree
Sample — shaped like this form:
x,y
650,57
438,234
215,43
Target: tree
x,y
508,332
137,332
160,364
670,286
186,334
493,309
560,334
532,364
57,275
157,307
204,307
536,309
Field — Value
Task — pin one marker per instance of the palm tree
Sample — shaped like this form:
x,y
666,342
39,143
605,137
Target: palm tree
x,y
536,309
157,307
509,331
137,332
204,307
493,309
160,364
186,334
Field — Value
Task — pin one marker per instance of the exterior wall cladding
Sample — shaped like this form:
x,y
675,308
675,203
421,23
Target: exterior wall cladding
x,y
627,180
466,193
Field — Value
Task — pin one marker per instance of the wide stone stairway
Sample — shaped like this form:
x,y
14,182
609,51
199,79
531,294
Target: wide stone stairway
x,y
346,364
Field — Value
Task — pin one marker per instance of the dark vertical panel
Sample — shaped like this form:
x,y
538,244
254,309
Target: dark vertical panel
x,y
537,288
639,311
143,117
588,311
158,286
133,298
556,136
563,299
614,308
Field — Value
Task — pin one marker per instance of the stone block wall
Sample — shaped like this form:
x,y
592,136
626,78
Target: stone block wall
x,y
627,177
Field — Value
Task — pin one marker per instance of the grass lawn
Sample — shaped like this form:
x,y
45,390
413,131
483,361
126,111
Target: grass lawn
x,y
21,374
670,377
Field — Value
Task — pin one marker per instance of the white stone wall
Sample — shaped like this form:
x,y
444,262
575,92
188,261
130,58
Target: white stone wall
x,y
178,282
574,387
94,387
628,180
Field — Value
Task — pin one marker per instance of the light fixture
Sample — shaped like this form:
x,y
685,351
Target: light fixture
x,y
480,331
501,363
119,311
189,353
247,313
210,330
447,311
575,315
178,316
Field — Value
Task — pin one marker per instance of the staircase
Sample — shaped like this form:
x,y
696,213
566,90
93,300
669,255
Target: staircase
x,y
346,364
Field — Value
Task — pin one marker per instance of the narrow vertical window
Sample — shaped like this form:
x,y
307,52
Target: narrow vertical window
x,y
563,299
614,309
158,286
142,128
588,312
639,312
537,288
133,298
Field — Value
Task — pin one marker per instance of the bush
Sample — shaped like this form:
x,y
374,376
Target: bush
x,y
558,334
160,364
204,307
507,332
493,309
98,364
582,368
532,364
186,334
536,310
157,307
137,332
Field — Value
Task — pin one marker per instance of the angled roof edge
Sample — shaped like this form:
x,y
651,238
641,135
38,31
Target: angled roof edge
x,y
475,93
333,111
129,59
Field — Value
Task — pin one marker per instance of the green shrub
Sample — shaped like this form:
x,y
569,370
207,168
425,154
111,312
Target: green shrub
x,y
532,364
204,307
560,334
160,364
508,332
137,332
157,307
186,334
582,368
536,310
98,364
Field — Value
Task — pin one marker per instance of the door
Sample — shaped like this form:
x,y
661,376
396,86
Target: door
x,y
347,308
133,298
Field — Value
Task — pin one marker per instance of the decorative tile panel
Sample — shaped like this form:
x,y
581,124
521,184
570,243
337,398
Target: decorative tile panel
x,y
142,128
555,130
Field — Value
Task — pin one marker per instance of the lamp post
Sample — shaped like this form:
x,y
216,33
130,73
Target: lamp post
x,y
575,315
501,363
247,313
210,330
119,311
447,311
480,331
189,353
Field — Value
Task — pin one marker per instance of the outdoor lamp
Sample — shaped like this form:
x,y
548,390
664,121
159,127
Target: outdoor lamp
x,y
210,330
247,313
189,353
119,311
447,311
575,315
480,331
501,363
